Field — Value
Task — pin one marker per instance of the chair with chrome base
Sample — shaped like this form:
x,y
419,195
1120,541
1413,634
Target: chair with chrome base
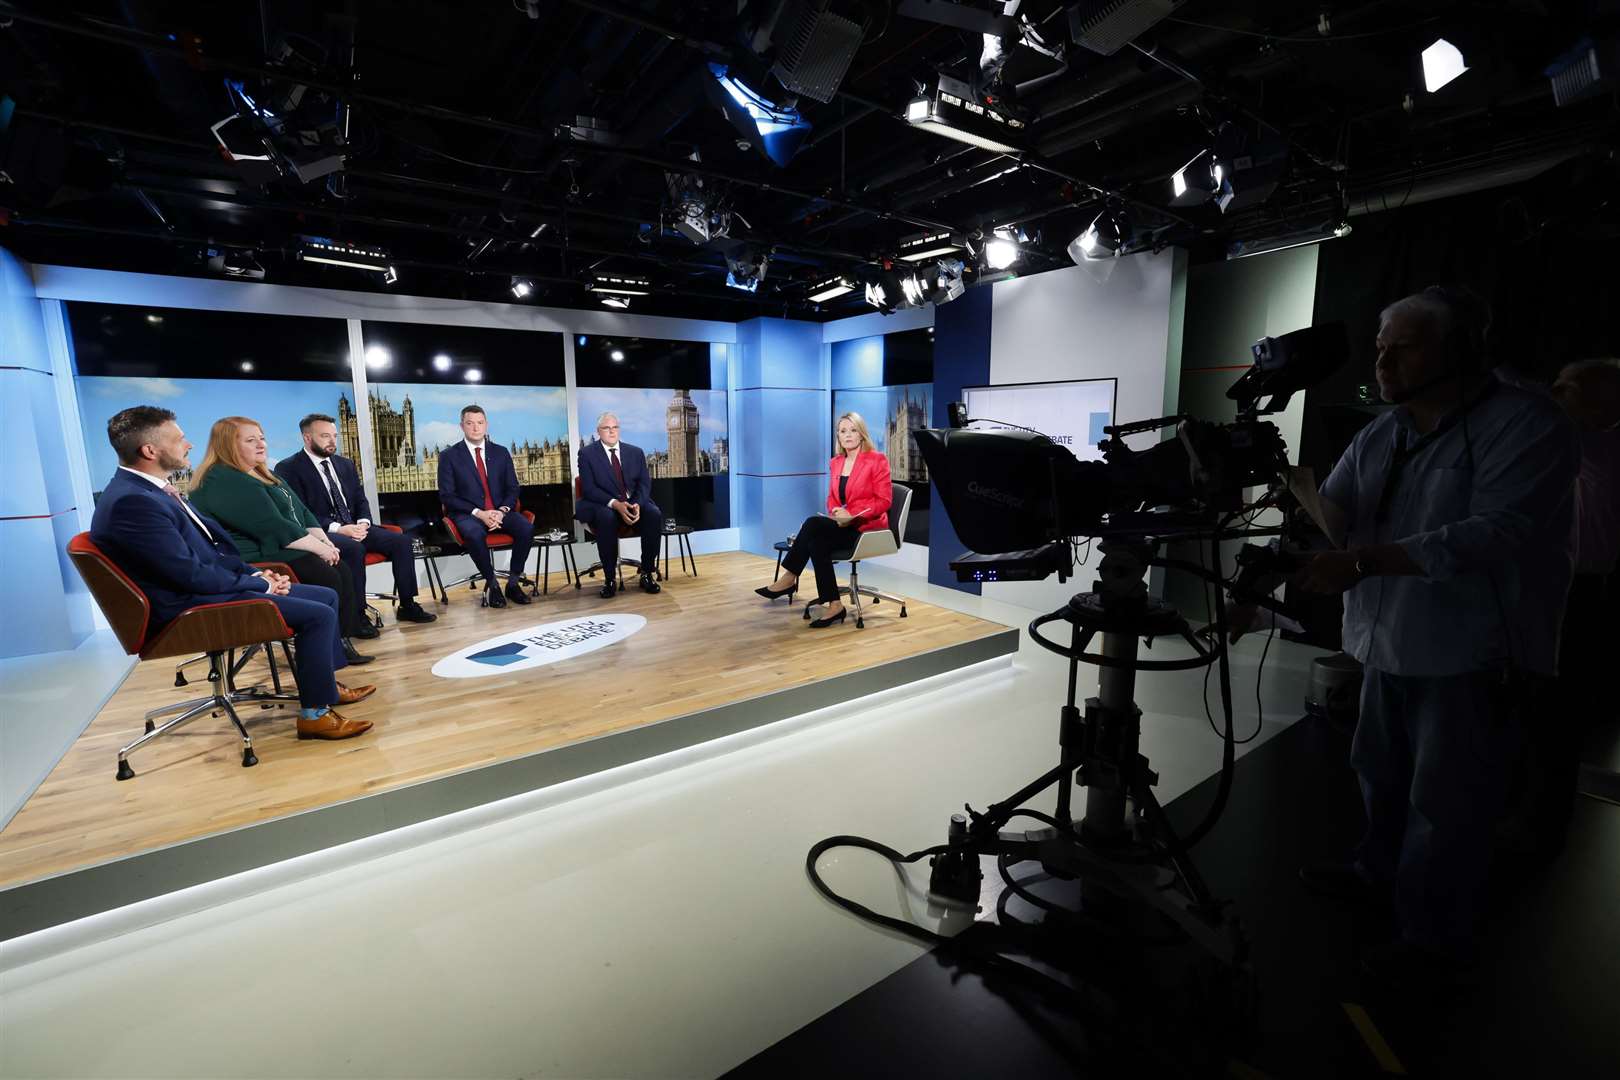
x,y
870,546
625,533
493,541
217,630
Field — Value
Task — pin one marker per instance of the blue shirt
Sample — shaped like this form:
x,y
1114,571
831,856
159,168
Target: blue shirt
x,y
1486,507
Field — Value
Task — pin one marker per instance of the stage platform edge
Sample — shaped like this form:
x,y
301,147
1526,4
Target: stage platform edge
x,y
76,894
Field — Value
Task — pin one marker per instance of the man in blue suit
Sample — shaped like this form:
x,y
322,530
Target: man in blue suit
x,y
615,488
180,559
329,485
478,486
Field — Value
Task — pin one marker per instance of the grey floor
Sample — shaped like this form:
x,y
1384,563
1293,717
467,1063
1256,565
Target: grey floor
x,y
652,921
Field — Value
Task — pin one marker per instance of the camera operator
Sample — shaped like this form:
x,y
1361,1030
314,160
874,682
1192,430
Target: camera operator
x,y
1451,516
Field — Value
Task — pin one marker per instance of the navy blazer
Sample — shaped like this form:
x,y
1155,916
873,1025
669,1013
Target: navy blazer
x,y
459,488
596,482
153,540
300,474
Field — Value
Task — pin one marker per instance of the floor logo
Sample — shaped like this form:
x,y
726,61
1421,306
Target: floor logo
x,y
535,646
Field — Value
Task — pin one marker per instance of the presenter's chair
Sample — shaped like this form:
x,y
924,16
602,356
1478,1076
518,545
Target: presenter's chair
x,y
870,546
217,630
625,533
495,542
377,558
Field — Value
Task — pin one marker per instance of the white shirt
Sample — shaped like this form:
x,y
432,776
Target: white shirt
x,y
612,451
162,484
316,460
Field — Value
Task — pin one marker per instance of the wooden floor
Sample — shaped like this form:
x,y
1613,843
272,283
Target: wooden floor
x,y
708,642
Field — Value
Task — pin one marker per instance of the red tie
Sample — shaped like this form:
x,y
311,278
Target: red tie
x,y
618,471
483,477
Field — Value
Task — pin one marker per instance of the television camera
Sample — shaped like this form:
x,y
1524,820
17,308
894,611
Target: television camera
x,y
1018,500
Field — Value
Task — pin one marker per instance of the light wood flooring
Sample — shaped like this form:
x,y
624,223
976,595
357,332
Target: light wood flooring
x,y
708,642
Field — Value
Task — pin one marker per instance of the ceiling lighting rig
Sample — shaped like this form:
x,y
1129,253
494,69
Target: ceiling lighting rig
x,y
615,290
949,107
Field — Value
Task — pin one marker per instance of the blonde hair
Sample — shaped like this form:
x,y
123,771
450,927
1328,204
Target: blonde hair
x,y
867,445
222,451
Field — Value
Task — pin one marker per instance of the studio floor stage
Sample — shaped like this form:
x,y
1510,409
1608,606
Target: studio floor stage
x,y
710,660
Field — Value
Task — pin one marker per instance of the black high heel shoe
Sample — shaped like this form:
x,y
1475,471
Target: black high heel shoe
x,y
831,620
768,593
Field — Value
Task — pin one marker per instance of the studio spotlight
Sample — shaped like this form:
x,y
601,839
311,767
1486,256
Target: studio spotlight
x,y
1104,238
921,247
247,366
1198,181
1242,249
1001,251
378,357
617,356
390,276
473,375
831,289
774,130
319,249
942,282
605,285
949,107
522,288
441,362
619,303
745,267
883,295
154,319
1442,62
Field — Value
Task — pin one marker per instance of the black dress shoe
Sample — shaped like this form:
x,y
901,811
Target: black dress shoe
x,y
493,598
366,631
516,594
606,591
410,611
771,594
649,584
354,655
831,620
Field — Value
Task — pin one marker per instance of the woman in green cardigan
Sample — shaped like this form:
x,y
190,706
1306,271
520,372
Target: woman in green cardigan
x,y
268,522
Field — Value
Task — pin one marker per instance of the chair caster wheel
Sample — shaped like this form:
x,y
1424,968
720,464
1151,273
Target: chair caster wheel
x,y
902,611
249,758
149,726
124,771
179,679
860,624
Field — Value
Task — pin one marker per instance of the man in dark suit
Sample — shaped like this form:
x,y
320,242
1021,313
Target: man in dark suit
x,y
478,486
329,485
180,559
615,488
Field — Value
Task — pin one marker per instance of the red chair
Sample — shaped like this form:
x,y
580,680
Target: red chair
x,y
216,630
494,541
377,558
625,533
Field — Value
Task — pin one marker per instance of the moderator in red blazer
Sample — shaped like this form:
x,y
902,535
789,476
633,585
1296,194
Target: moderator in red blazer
x,y
870,493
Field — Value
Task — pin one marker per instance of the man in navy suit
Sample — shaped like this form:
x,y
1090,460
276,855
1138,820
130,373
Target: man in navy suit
x,y
329,484
478,486
180,559
615,488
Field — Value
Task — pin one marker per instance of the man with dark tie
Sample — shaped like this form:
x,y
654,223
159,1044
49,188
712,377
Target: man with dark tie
x,y
478,486
615,488
181,559
329,484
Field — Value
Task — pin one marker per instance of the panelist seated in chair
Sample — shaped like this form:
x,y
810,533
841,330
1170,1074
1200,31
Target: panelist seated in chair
x,y
615,490
268,522
329,485
182,559
478,487
859,493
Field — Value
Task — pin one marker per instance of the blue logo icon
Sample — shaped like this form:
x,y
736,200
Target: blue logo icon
x,y
500,655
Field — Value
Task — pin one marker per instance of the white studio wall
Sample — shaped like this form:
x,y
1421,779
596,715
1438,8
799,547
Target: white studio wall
x,y
1111,320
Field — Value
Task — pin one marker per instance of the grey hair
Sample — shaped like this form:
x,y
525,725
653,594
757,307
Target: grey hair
x,y
605,416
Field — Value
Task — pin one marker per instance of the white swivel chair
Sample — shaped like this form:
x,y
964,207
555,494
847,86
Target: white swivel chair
x,y
870,546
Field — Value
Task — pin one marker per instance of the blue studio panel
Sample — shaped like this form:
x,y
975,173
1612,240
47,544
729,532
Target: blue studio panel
x,y
961,358
781,436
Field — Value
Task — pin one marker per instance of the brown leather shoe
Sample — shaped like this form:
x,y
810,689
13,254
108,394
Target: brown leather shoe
x,y
348,695
331,725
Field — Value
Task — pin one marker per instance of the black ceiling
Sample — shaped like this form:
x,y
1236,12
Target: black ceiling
x,y
455,164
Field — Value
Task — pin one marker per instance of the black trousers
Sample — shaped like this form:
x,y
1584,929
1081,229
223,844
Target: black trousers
x,y
821,541
395,546
605,524
515,525
312,570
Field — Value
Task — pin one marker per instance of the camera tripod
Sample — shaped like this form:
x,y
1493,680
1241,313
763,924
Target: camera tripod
x,y
1124,847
